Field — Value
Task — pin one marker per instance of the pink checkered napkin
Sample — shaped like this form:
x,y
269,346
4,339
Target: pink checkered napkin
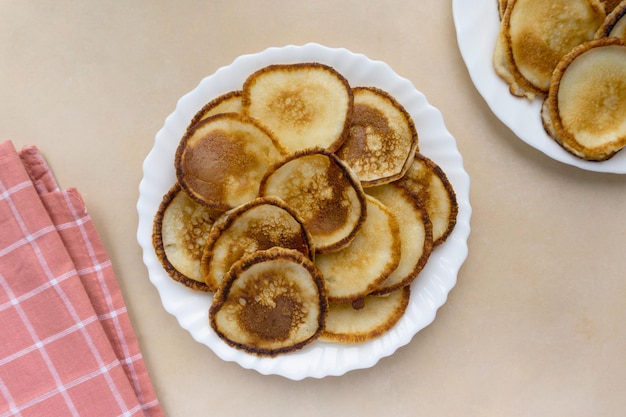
x,y
67,347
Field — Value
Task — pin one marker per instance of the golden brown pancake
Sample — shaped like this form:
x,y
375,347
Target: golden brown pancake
x,y
535,35
272,302
615,23
324,192
181,230
376,316
585,110
382,138
220,161
416,236
359,268
430,183
260,224
306,105
226,103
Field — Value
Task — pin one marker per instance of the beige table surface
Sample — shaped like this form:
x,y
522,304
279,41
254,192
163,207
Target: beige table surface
x,y
535,325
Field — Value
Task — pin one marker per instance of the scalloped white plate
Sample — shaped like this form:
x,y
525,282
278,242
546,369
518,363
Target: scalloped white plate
x,y
477,24
429,291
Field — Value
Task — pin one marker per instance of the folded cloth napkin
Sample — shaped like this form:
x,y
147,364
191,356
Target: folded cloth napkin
x,y
67,346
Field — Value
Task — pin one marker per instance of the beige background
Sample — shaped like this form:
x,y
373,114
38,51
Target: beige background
x,y
535,325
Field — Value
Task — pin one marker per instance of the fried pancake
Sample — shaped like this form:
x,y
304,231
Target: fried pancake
x,y
359,268
428,181
181,229
416,235
324,192
257,225
272,302
585,109
306,105
382,139
377,315
535,35
615,23
220,161
226,103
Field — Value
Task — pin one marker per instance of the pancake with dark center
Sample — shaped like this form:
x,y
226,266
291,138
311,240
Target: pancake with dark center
x,y
382,138
271,302
221,160
324,192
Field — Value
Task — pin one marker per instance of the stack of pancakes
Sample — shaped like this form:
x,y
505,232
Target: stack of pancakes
x,y
305,206
572,55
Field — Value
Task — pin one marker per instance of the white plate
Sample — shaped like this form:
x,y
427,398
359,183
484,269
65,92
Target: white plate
x,y
477,24
429,291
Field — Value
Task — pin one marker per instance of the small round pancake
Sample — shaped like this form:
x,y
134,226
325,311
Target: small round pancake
x,y
585,110
220,161
306,105
260,224
378,314
382,138
429,182
272,302
181,230
615,23
324,192
359,268
534,35
226,103
416,235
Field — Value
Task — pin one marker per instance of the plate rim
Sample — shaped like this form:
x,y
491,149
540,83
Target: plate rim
x,y
450,161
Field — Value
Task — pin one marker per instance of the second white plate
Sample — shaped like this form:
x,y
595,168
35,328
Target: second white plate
x,y
477,25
